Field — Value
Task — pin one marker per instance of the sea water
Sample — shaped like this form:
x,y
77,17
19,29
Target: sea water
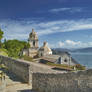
x,y
83,58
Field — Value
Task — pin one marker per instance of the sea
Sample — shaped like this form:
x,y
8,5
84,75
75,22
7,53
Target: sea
x,y
83,58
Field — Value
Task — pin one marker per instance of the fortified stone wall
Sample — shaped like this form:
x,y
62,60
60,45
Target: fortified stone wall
x,y
24,69
68,82
18,67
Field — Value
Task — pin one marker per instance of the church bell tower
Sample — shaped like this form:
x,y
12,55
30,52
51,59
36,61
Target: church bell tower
x,y
33,39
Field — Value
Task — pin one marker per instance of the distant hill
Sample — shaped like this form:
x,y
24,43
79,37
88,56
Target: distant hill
x,y
58,51
61,49
84,50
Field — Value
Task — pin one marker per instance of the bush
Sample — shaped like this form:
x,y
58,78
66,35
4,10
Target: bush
x,y
80,67
14,47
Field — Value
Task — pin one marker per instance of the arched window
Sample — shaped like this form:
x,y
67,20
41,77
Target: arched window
x,y
33,43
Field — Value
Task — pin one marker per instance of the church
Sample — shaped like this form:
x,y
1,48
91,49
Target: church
x,y
45,53
34,49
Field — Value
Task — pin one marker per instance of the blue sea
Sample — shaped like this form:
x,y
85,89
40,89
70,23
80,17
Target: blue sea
x,y
83,58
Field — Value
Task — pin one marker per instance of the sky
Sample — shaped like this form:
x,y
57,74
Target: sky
x,y
62,23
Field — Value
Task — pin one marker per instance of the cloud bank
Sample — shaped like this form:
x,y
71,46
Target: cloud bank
x,y
21,29
74,44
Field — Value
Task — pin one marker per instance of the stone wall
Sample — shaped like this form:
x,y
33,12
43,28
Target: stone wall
x,y
18,67
2,84
24,69
68,82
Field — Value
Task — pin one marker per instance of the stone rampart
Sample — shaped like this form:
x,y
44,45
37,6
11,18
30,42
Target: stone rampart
x,y
18,67
24,69
67,82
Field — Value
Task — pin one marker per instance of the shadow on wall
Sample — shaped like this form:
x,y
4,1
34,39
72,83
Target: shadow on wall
x,y
26,90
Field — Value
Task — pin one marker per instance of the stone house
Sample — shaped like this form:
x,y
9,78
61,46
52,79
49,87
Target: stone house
x,y
64,58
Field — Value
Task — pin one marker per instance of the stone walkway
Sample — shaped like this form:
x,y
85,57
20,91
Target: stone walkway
x,y
14,84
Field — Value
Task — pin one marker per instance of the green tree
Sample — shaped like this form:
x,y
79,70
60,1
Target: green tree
x,y
1,36
14,47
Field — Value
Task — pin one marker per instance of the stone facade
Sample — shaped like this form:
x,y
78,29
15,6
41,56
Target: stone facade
x,y
67,82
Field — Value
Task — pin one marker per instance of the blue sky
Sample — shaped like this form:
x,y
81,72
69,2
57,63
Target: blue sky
x,y
62,23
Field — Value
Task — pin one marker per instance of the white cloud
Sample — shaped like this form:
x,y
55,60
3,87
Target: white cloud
x,y
61,44
71,10
59,9
74,44
21,29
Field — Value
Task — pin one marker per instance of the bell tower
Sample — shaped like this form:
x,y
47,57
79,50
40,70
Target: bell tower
x,y
33,39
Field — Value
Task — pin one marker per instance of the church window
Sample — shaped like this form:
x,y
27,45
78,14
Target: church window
x,y
33,43
60,60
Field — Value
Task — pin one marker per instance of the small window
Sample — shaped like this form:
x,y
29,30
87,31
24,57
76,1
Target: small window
x,y
65,60
41,54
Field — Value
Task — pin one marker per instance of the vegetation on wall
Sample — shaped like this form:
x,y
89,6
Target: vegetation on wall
x,y
1,36
25,57
80,67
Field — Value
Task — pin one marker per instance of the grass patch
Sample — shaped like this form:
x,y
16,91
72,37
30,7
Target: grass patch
x,y
28,58
59,65
3,52
77,67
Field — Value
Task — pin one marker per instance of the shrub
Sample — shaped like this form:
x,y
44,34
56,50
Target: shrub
x,y
80,67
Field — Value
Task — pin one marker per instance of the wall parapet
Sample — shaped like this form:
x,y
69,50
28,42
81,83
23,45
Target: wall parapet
x,y
67,82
